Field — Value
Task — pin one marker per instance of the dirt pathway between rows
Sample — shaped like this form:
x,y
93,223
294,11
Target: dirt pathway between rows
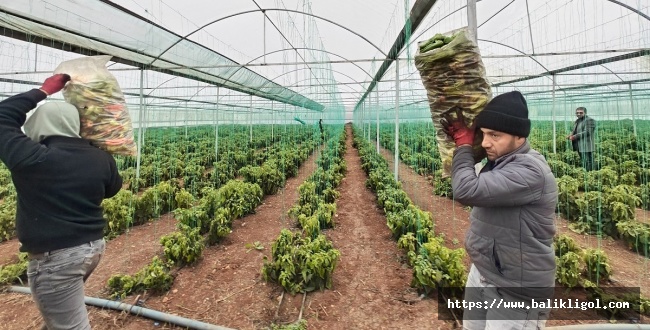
x,y
450,217
371,287
226,287
371,282
125,254
225,269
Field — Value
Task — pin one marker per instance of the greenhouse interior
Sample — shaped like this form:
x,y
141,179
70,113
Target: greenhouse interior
x,y
284,164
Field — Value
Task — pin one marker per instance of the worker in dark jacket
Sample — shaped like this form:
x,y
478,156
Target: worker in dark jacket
x,y
582,138
512,220
60,180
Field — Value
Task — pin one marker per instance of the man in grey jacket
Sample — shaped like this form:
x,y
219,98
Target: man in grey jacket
x,y
512,221
582,138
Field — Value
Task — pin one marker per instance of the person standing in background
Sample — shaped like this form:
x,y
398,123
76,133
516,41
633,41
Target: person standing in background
x,y
582,138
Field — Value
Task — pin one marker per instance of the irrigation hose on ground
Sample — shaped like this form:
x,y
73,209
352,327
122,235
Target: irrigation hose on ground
x,y
194,324
601,326
141,311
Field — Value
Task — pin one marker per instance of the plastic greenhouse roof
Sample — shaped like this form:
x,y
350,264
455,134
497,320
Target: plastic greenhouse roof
x,y
329,54
84,24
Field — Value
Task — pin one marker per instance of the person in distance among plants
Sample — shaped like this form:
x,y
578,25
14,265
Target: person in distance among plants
x,y
512,220
582,138
60,180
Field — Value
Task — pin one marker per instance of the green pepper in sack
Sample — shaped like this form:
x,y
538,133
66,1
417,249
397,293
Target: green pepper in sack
x,y
104,117
453,75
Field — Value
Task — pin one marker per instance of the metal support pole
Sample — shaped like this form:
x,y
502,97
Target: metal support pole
x,y
140,130
185,120
272,120
471,20
35,57
363,121
530,28
366,110
632,108
396,169
363,127
368,121
554,124
377,112
250,119
566,118
216,129
197,118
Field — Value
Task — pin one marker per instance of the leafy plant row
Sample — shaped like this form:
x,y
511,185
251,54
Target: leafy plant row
x,y
418,148
596,202
194,154
128,209
575,266
7,205
617,148
588,268
303,261
206,223
610,211
212,217
434,265
189,155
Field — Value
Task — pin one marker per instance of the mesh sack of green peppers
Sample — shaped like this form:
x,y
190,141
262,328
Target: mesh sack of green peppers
x,y
104,117
453,75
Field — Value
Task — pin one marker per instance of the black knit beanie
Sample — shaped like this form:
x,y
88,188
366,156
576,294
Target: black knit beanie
x,y
506,113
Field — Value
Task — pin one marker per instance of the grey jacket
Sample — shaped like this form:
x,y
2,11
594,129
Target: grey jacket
x,y
510,239
584,130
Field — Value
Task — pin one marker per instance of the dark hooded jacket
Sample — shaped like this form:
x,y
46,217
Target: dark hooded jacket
x,y
60,178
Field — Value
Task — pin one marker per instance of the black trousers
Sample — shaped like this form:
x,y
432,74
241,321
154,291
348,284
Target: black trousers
x,y
587,160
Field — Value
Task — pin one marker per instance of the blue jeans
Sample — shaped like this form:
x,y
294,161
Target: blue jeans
x,y
56,279
478,289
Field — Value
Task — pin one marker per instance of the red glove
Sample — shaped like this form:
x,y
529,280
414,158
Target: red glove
x,y
55,83
456,128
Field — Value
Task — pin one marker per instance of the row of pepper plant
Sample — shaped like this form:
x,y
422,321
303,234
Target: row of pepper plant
x,y
435,267
604,202
304,260
599,202
165,182
210,219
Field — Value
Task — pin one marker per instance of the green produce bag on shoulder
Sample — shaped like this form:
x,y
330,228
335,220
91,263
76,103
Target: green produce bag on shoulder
x,y
453,75
104,117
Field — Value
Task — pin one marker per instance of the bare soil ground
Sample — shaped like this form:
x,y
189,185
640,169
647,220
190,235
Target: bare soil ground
x,y
371,283
371,288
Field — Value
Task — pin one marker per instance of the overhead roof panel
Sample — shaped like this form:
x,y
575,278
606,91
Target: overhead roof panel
x,y
105,28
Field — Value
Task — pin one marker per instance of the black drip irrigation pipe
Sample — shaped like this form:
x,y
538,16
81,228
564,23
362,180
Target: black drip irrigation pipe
x,y
140,311
194,324
601,326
